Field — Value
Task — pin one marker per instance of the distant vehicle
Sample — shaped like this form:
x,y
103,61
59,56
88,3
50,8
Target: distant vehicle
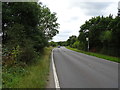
x,y
58,46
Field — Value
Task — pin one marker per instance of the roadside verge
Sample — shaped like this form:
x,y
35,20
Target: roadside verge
x,y
110,58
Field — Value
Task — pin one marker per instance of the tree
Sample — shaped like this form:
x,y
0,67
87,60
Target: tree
x,y
103,34
115,29
48,22
28,25
71,40
52,43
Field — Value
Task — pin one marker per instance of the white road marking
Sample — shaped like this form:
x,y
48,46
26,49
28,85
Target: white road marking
x,y
55,74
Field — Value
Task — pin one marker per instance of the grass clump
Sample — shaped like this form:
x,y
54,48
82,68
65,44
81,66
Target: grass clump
x,y
34,75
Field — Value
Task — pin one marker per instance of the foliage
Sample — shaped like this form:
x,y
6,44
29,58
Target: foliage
x,y
30,76
11,75
27,28
28,25
71,40
53,44
103,34
60,43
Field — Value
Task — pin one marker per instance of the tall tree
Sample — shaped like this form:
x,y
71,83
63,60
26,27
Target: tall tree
x,y
29,25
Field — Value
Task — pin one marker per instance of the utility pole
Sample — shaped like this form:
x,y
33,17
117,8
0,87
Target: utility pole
x,y
87,39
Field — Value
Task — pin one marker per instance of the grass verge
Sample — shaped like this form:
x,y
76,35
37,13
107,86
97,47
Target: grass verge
x,y
110,58
36,76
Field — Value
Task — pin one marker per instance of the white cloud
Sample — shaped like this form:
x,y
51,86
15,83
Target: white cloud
x,y
73,13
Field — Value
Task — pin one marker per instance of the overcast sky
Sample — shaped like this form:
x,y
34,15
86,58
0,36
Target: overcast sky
x,y
73,13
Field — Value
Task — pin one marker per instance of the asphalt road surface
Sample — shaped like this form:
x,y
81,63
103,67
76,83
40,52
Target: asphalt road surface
x,y
77,70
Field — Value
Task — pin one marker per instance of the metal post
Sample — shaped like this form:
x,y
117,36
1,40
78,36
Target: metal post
x,y
87,39
88,44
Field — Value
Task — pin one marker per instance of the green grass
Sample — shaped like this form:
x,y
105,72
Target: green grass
x,y
110,58
35,76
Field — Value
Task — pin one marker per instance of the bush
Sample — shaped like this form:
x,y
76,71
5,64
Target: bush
x,y
27,55
78,45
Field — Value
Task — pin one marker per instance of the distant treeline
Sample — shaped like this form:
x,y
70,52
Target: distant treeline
x,y
27,28
103,34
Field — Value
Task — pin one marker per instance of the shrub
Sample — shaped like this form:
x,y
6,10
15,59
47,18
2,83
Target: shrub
x,y
27,55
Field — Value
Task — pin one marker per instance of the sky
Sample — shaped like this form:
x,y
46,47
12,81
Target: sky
x,y
72,14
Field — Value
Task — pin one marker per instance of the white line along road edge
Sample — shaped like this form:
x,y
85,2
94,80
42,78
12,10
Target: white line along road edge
x,y
54,73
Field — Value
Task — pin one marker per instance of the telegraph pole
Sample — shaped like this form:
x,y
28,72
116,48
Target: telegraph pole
x,y
87,39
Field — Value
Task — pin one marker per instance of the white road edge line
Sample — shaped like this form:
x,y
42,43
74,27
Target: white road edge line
x,y
55,73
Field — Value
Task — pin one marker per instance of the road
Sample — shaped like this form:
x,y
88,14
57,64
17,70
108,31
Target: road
x,y
77,70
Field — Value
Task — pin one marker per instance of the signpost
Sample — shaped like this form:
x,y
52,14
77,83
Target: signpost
x,y
87,39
